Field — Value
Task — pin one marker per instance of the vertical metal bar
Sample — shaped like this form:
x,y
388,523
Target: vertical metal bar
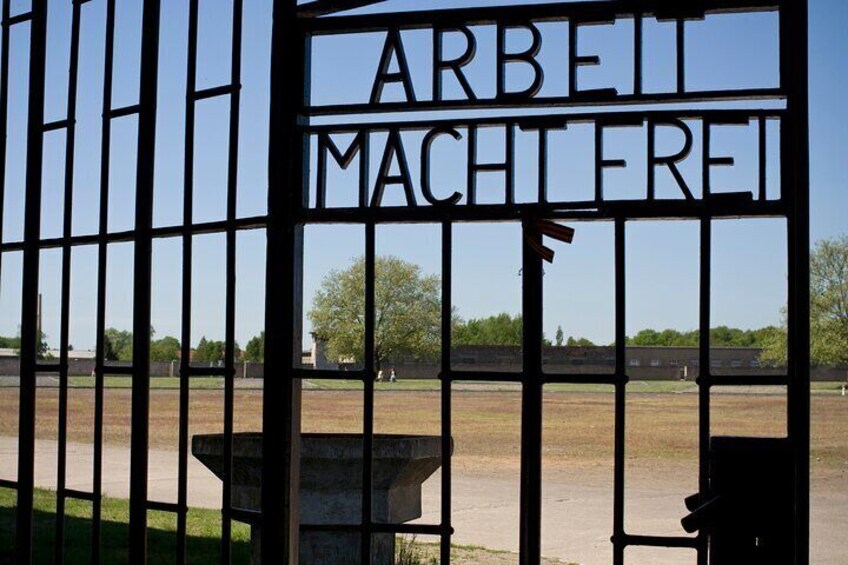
x,y
288,165
795,159
618,537
638,20
762,157
447,441
704,370
70,144
368,381
229,346
29,299
4,112
530,539
143,247
185,335
681,55
102,256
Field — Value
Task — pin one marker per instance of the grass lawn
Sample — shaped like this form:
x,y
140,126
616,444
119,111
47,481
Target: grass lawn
x,y
203,532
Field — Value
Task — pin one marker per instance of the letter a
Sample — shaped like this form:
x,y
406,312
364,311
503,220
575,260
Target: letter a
x,y
392,48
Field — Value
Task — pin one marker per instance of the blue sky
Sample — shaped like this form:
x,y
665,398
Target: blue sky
x,y
749,272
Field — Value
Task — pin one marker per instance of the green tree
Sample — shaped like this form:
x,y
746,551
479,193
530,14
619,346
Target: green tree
x,y
828,308
255,349
501,329
165,349
580,342
559,336
407,312
208,351
117,345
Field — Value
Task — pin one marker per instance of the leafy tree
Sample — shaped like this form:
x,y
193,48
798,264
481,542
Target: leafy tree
x,y
255,349
117,345
407,313
165,349
828,308
501,329
559,336
10,342
580,342
208,351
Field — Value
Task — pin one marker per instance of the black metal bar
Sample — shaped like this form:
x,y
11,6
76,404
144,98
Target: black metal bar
x,y
445,362
159,506
76,495
230,316
58,124
17,19
288,162
5,483
795,186
329,7
762,158
660,541
704,376
225,90
132,110
680,47
142,266
518,14
70,145
102,256
30,281
618,536
240,224
530,526
483,376
127,370
368,396
586,100
4,113
638,37
48,367
187,241
548,120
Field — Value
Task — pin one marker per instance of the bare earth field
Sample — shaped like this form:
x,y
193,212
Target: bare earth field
x,y
578,436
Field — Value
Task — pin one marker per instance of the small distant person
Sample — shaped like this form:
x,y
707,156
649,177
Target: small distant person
x,y
393,376
380,376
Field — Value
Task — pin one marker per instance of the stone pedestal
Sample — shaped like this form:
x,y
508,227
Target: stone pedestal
x,y
330,487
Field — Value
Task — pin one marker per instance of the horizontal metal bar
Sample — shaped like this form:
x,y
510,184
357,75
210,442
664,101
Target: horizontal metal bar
x,y
125,111
597,379
553,120
48,367
658,541
116,370
327,7
241,224
160,506
743,380
329,375
252,517
57,125
5,483
586,99
586,211
518,14
423,529
78,494
18,19
215,91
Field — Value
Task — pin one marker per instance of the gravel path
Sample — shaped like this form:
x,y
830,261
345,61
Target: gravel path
x,y
577,507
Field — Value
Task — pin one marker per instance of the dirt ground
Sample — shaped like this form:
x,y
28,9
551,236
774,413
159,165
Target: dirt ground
x,y
578,427
578,438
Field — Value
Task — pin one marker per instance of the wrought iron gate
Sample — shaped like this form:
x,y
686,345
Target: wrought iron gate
x,y
296,126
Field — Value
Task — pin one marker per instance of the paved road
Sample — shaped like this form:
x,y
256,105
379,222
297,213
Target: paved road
x,y
577,510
